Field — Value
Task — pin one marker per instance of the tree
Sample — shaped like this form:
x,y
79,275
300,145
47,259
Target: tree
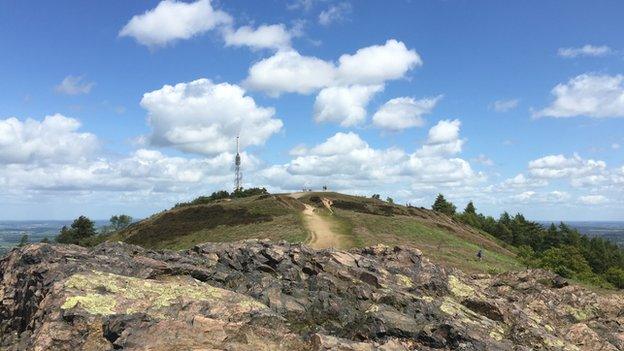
x,y
81,229
23,240
566,261
376,196
441,205
470,209
119,222
470,216
45,240
389,200
615,276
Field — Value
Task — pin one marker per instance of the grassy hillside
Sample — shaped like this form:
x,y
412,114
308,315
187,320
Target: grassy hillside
x,y
358,221
263,217
439,237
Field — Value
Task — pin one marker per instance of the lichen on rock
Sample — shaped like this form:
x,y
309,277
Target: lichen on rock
x,y
257,295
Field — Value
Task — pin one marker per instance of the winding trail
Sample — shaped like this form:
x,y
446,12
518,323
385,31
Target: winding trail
x,y
321,234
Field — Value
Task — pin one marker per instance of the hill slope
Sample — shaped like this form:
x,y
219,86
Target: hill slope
x,y
354,222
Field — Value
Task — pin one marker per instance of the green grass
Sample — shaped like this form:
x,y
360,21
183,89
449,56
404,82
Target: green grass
x,y
359,221
258,217
285,227
437,244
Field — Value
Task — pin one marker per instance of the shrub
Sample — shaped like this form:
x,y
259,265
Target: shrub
x,y
615,276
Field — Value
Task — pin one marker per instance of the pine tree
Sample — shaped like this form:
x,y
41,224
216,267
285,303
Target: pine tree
x,y
441,205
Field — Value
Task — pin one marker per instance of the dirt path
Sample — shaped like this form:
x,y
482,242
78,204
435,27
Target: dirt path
x,y
321,234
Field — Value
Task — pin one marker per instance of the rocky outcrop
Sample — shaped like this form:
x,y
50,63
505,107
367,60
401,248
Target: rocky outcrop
x,y
256,295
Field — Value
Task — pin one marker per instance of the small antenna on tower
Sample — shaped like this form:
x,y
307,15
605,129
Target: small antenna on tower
x,y
238,176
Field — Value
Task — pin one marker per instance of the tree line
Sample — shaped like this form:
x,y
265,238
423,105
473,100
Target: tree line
x,y
559,248
223,194
83,231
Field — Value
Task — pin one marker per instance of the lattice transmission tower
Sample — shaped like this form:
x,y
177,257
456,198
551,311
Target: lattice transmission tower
x,y
238,175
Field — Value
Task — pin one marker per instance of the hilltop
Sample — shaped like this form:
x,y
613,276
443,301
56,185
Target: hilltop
x,y
323,219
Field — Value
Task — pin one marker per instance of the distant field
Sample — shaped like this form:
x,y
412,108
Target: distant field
x,y
613,231
12,231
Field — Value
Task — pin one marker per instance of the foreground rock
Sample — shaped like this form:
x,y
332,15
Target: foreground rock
x,y
256,295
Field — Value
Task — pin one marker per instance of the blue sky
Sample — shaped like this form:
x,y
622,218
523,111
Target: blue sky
x,y
131,107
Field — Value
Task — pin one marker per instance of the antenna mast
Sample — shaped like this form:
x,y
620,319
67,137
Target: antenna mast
x,y
238,176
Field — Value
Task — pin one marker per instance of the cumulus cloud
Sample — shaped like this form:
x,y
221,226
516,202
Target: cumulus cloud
x,y
377,63
505,105
173,20
404,112
346,162
334,13
344,105
275,36
592,95
74,85
203,117
55,139
593,199
533,197
585,50
290,72
443,139
522,181
560,166
143,170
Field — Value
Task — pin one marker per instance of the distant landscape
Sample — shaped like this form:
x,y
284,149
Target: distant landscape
x,y
37,230
613,231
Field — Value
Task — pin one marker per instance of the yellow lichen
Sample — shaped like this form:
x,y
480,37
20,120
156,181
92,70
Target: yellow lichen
x,y
92,303
103,293
458,288
404,280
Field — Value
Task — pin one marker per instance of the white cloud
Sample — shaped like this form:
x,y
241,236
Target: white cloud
x,y
521,181
275,36
443,139
560,166
290,72
74,85
56,139
505,105
524,196
344,105
484,160
143,170
377,63
593,199
173,20
404,112
615,146
592,95
334,13
533,197
586,50
305,5
203,117
346,162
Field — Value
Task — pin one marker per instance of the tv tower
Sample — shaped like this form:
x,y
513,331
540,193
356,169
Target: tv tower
x,y
238,176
